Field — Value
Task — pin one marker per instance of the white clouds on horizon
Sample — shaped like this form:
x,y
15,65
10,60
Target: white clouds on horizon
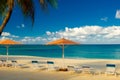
x,y
33,40
89,34
85,35
5,34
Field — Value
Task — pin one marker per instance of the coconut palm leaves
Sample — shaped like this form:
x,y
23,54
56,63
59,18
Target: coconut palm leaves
x,y
27,7
44,3
3,6
6,11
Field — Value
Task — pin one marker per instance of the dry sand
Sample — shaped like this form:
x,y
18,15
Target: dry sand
x,y
28,73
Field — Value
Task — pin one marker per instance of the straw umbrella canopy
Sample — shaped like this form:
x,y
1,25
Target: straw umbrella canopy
x,y
7,43
62,42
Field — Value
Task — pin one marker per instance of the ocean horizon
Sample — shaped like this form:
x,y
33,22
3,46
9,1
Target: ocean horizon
x,y
89,51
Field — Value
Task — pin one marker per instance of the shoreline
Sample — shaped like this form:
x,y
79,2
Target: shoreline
x,y
38,57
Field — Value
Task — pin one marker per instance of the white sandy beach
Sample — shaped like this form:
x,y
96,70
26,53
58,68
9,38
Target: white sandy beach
x,y
28,73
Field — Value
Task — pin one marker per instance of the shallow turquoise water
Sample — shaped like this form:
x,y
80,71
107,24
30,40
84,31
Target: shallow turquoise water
x,y
71,51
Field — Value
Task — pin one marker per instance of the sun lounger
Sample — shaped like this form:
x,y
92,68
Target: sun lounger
x,y
35,64
77,69
8,64
17,64
3,63
14,63
110,69
85,69
70,68
38,65
23,66
51,66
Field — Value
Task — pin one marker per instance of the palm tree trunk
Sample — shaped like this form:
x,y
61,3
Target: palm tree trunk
x,y
8,15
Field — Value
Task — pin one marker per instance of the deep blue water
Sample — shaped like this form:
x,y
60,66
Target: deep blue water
x,y
71,51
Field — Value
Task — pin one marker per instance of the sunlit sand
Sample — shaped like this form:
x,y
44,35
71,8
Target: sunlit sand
x,y
29,73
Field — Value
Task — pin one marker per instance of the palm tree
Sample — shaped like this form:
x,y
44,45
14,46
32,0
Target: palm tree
x,y
27,7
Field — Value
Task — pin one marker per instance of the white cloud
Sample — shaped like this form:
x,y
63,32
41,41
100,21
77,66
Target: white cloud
x,y
14,36
48,33
33,40
2,38
20,26
104,19
117,14
89,34
5,34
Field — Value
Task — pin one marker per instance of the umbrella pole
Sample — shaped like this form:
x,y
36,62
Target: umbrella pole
x,y
63,51
63,55
7,52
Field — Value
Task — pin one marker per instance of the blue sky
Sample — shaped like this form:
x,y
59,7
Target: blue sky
x,y
84,21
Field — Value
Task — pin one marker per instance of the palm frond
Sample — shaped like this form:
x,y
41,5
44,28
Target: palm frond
x,y
53,3
44,3
27,7
3,7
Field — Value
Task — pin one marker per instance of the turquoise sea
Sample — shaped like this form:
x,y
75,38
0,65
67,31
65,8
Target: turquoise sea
x,y
102,51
